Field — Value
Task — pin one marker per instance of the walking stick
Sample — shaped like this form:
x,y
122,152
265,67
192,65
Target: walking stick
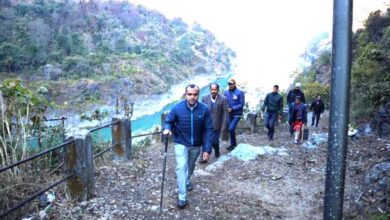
x,y
164,166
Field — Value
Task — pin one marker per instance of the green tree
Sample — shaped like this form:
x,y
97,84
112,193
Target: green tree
x,y
9,57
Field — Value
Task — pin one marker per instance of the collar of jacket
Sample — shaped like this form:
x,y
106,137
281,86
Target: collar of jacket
x,y
193,107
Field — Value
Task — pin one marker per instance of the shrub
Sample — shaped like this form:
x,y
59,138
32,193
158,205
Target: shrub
x,y
312,89
77,67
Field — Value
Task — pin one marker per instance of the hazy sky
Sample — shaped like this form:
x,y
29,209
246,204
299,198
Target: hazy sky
x,y
268,35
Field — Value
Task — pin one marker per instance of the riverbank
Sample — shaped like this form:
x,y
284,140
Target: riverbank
x,y
147,110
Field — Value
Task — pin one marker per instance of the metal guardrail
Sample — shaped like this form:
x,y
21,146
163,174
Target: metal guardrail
x,y
142,135
103,126
51,149
35,156
112,146
34,196
65,178
106,150
56,119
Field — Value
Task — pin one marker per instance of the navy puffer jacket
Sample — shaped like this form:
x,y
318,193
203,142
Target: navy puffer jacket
x,y
190,127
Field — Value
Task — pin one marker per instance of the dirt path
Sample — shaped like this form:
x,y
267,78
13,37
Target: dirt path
x,y
268,187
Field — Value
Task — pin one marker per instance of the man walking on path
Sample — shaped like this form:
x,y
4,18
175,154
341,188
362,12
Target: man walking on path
x,y
274,104
190,123
217,106
318,107
236,101
291,98
294,93
297,118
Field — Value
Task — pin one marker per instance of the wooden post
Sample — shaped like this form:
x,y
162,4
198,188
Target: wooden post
x,y
251,121
126,137
121,138
79,160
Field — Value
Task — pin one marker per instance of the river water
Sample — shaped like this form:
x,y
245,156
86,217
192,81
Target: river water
x,y
144,123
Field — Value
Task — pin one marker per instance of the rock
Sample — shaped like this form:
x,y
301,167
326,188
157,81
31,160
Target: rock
x,y
155,208
200,172
276,177
378,172
42,214
381,121
84,204
377,185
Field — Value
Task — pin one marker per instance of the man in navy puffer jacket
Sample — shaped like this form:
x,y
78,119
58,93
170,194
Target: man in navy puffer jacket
x,y
190,123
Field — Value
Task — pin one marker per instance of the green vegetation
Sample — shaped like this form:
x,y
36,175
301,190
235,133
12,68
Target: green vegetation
x,y
370,84
60,43
21,117
371,66
380,217
312,86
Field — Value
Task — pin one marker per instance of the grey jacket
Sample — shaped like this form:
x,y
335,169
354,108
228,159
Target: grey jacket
x,y
218,110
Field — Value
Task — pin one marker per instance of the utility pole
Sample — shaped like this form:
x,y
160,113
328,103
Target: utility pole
x,y
339,110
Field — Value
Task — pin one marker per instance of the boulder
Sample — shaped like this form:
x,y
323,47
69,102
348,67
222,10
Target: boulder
x,y
381,121
377,185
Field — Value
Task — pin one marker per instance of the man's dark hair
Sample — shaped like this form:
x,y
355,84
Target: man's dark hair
x,y
276,86
192,86
216,84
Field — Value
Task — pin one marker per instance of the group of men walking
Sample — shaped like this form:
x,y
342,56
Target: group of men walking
x,y
196,126
297,112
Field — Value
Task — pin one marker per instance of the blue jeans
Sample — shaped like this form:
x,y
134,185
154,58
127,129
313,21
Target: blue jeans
x,y
233,121
270,120
185,166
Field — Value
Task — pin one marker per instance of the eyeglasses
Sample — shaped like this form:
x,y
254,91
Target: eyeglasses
x,y
192,94
230,84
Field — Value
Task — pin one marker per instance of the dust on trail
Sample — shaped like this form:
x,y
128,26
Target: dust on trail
x,y
271,186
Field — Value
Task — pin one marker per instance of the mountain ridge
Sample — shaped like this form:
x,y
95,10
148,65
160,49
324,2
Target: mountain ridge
x,y
89,52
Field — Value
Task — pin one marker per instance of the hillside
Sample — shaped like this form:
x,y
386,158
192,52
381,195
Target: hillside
x,y
83,53
370,74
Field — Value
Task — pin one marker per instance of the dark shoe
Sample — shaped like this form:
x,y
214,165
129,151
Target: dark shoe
x,y
230,148
189,187
202,161
217,154
216,151
181,204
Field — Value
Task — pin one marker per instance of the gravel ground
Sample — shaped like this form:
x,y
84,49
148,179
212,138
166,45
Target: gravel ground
x,y
268,187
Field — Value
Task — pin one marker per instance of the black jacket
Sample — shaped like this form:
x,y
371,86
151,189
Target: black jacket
x,y
273,102
294,93
317,106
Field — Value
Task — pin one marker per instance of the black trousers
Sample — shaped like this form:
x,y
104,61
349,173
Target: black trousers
x,y
315,118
